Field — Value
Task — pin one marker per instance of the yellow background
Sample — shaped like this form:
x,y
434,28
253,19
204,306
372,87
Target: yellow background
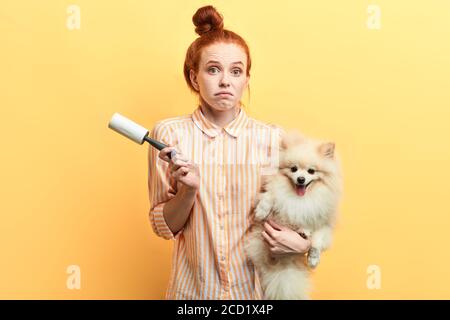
x,y
73,192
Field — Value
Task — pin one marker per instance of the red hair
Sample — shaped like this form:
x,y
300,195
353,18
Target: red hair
x,y
209,25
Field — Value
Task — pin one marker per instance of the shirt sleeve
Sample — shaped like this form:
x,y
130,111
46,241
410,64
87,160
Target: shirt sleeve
x,y
161,186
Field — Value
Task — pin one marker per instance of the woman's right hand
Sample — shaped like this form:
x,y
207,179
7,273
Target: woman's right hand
x,y
182,169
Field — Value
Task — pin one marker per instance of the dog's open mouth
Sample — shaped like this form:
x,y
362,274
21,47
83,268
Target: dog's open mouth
x,y
300,189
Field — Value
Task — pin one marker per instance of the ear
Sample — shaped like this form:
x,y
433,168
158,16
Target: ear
x,y
290,138
327,149
193,78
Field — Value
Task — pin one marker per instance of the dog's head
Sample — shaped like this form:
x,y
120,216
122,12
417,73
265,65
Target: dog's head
x,y
309,165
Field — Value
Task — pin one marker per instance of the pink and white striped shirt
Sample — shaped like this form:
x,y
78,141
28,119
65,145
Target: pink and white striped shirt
x,y
208,260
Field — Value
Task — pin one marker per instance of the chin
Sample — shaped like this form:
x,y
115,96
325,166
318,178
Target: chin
x,y
303,195
224,106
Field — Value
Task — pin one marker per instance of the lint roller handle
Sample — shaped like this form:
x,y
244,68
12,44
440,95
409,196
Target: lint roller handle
x,y
134,132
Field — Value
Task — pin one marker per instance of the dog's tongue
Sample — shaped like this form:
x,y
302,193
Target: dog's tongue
x,y
300,190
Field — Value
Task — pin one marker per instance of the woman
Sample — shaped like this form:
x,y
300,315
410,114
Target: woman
x,y
204,197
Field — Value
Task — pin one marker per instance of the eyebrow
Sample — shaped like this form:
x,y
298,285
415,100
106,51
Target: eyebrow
x,y
213,61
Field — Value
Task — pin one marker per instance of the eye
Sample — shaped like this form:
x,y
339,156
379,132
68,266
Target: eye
x,y
293,169
239,71
213,68
311,171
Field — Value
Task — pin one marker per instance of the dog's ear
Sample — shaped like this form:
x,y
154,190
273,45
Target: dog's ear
x,y
327,149
290,138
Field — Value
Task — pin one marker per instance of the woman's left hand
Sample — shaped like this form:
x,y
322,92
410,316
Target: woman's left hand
x,y
283,240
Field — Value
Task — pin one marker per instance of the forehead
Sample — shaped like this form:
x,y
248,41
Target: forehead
x,y
225,53
305,155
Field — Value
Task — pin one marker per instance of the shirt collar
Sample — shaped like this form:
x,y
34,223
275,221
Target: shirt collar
x,y
234,128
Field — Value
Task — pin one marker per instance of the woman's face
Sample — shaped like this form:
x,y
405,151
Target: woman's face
x,y
222,68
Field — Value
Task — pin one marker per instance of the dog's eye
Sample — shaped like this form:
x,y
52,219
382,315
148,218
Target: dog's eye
x,y
311,171
293,169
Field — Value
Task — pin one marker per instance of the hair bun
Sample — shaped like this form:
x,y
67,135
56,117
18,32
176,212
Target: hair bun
x,y
207,19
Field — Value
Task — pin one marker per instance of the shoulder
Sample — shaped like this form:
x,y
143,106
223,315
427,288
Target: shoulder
x,y
172,122
271,128
167,126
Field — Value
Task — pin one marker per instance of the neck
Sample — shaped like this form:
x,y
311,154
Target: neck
x,y
219,118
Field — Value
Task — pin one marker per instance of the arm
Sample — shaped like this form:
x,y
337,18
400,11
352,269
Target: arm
x,y
172,185
160,188
177,210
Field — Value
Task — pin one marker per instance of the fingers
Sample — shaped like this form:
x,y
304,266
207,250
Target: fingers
x,y
275,247
270,230
166,152
284,241
274,224
268,238
182,171
274,250
179,165
179,162
179,156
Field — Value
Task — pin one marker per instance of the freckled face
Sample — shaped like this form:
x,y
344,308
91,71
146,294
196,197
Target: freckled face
x,y
222,68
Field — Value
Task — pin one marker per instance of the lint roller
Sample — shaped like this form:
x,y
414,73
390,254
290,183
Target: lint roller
x,y
135,132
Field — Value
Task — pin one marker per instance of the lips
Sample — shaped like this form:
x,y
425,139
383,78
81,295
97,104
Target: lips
x,y
225,93
300,189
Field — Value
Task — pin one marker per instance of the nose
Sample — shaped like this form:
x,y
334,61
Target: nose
x,y
301,180
224,82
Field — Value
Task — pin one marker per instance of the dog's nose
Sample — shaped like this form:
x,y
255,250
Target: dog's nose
x,y
301,180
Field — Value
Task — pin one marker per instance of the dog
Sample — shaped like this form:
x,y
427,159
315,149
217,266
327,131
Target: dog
x,y
303,194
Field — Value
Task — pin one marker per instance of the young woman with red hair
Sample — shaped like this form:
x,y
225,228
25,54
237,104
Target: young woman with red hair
x,y
204,197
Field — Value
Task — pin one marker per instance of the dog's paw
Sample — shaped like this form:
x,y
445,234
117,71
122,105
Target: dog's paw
x,y
260,215
313,258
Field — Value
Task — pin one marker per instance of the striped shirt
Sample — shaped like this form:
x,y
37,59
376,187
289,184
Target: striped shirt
x,y
208,260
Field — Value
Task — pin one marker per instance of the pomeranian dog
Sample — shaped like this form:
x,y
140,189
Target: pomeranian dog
x,y
303,195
